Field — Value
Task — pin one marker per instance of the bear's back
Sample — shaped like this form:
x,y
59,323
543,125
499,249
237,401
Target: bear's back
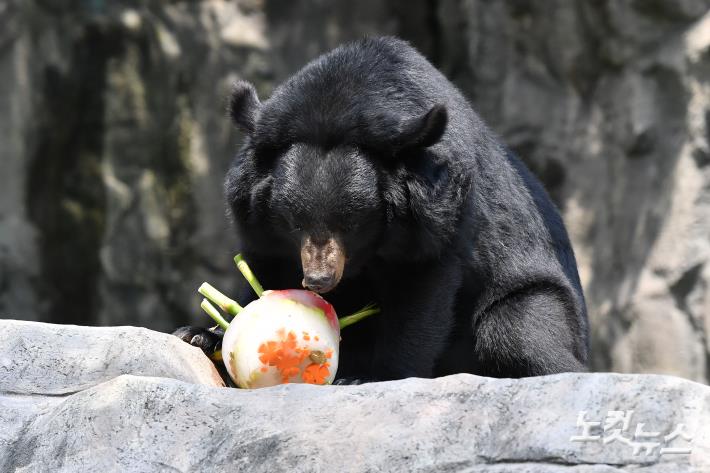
x,y
359,91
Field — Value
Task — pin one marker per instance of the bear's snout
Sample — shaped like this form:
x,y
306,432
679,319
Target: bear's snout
x,y
323,263
320,283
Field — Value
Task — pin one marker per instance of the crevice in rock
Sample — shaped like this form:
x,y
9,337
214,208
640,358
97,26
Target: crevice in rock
x,y
38,394
684,286
553,460
434,27
65,196
680,290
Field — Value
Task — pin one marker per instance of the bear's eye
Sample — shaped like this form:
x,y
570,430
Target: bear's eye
x,y
293,226
266,156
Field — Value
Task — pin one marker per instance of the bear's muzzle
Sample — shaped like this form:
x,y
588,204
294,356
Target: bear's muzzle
x,y
323,262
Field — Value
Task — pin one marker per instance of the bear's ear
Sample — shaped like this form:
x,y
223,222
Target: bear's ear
x,y
423,131
244,106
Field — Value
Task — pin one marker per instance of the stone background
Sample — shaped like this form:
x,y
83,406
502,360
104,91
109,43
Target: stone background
x,y
114,143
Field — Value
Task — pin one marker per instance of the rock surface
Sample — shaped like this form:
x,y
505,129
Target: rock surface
x,y
56,360
115,145
151,423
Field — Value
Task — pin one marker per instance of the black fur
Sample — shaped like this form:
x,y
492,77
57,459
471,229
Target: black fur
x,y
244,106
443,227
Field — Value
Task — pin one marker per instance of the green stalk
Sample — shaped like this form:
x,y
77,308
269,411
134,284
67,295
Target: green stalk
x,y
248,275
228,305
214,313
358,316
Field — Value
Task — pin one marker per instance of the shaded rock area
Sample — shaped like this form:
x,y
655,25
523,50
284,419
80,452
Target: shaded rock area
x,y
173,417
115,144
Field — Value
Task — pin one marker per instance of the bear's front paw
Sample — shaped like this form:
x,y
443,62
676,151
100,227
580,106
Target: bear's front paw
x,y
208,340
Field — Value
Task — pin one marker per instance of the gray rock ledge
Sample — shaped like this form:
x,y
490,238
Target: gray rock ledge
x,y
66,406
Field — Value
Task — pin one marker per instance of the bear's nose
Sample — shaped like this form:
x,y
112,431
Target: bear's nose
x,y
320,283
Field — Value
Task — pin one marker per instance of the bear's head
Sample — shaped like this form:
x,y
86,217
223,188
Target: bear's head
x,y
335,184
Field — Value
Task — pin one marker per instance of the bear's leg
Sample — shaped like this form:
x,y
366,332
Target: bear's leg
x,y
528,333
414,328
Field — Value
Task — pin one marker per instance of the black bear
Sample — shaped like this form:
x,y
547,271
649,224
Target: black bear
x,y
369,177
